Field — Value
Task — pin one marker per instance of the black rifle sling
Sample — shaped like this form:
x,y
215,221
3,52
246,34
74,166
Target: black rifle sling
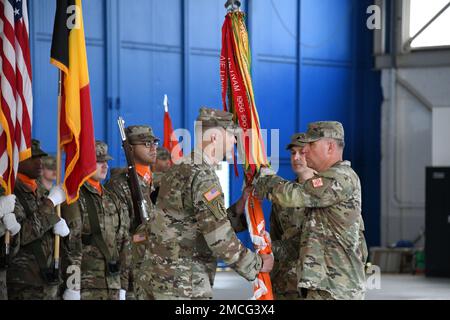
x,y
95,228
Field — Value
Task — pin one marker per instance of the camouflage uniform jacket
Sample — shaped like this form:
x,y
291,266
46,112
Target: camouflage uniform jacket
x,y
139,238
333,250
119,186
114,224
285,228
191,229
36,225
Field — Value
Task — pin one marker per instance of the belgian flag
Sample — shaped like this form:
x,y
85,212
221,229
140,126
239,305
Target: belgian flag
x,y
68,53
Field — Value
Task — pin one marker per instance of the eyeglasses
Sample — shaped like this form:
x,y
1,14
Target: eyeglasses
x,y
154,144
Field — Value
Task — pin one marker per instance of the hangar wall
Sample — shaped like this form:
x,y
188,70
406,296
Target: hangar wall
x,y
312,60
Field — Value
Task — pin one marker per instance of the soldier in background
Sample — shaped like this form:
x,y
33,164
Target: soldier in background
x,y
333,249
9,223
144,144
48,178
191,228
99,242
285,228
30,274
162,164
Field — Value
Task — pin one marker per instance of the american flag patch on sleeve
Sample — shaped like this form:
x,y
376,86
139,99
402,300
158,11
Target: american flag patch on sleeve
x,y
213,193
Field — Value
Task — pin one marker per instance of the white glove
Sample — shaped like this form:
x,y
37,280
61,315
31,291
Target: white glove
x,y
57,195
122,294
7,204
61,228
11,224
70,294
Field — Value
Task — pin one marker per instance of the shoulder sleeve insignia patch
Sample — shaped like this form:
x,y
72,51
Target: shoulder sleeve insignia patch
x,y
317,183
212,194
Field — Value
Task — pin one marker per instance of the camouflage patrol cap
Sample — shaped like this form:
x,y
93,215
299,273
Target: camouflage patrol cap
x,y
49,162
162,153
101,151
36,150
296,141
140,134
324,129
216,118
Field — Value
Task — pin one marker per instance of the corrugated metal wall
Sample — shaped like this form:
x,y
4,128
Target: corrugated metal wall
x,y
311,61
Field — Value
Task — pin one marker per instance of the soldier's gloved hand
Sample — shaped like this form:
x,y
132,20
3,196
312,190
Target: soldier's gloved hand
x,y
122,294
267,262
70,294
57,195
61,228
11,224
7,204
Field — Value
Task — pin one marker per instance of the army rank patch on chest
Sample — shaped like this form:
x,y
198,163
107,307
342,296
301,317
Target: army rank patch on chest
x,y
317,183
212,194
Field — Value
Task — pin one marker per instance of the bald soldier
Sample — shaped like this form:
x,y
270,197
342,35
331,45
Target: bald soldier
x,y
30,273
144,144
191,229
99,242
333,250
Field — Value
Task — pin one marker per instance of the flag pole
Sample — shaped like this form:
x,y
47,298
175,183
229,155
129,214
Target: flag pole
x,y
58,165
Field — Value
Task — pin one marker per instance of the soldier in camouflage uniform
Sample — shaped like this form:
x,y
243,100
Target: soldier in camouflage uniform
x,y
162,164
99,240
30,273
191,228
333,250
48,177
9,223
144,144
285,228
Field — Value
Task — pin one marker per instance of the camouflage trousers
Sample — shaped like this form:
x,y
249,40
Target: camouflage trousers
x,y
26,292
161,296
310,294
287,296
99,294
3,291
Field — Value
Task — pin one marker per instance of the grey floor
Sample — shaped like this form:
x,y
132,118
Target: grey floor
x,y
230,286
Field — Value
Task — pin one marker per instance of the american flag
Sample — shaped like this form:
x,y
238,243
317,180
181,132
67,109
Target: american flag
x,y
16,90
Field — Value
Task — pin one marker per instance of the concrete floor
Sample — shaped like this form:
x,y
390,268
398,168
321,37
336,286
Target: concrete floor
x,y
230,286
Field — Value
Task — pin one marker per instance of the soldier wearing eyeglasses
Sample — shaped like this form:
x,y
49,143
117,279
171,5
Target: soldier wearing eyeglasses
x,y
144,144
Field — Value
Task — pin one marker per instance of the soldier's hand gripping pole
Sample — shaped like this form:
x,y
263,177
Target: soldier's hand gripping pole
x,y
139,203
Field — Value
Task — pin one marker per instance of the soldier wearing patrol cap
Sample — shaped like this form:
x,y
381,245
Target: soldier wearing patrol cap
x,y
48,176
333,250
99,242
30,273
191,228
144,144
285,228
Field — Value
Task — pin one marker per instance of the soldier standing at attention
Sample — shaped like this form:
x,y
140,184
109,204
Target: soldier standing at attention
x,y
285,228
191,229
30,273
333,249
144,144
48,178
99,240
